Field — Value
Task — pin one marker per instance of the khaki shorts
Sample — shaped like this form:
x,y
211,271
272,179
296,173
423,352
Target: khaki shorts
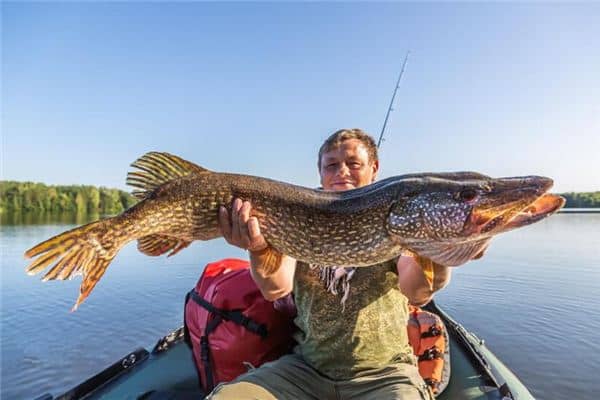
x,y
291,378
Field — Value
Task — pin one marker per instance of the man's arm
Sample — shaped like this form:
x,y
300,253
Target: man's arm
x,y
412,280
277,284
272,271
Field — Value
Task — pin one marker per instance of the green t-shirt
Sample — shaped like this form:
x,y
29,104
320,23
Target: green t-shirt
x,y
368,332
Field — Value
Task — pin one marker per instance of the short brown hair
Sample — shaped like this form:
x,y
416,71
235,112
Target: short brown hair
x,y
338,137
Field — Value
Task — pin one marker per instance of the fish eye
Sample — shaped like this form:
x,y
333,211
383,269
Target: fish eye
x,y
468,194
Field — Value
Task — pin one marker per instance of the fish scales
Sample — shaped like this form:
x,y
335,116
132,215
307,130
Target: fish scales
x,y
310,225
447,217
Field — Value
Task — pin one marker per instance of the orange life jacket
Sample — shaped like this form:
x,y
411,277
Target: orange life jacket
x,y
428,337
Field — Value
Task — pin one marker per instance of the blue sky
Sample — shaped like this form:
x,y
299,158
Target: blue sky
x,y
502,89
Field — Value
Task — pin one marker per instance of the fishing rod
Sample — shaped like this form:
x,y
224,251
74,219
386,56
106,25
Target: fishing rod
x,y
392,101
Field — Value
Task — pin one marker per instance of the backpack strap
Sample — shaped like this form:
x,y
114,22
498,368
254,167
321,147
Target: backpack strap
x,y
205,351
236,316
220,315
186,332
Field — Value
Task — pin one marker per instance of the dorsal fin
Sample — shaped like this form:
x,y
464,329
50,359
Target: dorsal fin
x,y
156,169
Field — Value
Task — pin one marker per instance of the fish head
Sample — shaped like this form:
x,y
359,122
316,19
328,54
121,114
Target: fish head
x,y
511,203
452,219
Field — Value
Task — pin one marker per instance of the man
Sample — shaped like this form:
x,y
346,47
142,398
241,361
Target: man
x,y
352,336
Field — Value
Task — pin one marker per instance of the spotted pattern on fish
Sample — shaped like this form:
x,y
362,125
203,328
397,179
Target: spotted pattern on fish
x,y
426,213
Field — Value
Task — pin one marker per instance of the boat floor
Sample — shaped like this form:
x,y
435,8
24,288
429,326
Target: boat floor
x,y
173,374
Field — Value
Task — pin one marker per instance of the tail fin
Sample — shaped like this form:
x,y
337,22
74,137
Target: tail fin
x,y
87,251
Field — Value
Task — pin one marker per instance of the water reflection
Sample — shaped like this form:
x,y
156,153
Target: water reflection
x,y
535,290
48,218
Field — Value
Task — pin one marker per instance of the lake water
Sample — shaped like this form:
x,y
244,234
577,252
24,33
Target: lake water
x,y
534,298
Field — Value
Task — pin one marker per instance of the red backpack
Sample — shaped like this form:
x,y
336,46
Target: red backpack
x,y
230,326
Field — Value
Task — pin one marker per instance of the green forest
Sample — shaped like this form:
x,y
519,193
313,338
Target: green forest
x,y
582,199
38,197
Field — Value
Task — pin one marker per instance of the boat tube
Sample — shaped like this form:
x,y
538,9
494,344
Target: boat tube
x,y
168,372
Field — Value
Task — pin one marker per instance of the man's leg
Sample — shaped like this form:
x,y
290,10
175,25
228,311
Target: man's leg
x,y
241,391
399,382
287,378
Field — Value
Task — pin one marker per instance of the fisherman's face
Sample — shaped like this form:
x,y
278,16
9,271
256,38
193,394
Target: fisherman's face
x,y
347,167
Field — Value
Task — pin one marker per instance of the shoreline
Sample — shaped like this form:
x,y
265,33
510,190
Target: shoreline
x,y
579,211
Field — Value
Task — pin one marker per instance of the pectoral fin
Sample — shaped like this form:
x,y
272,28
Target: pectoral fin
x,y
270,260
478,256
428,270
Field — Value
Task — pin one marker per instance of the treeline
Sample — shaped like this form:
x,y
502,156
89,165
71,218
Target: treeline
x,y
37,197
582,200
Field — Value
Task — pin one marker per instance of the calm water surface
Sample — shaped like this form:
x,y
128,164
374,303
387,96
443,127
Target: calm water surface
x,y
534,298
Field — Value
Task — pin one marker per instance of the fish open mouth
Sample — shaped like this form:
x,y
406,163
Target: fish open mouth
x,y
501,219
541,208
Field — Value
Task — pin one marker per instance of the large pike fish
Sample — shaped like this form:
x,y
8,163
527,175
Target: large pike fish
x,y
446,217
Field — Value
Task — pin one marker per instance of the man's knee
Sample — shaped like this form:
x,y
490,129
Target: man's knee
x,y
240,391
